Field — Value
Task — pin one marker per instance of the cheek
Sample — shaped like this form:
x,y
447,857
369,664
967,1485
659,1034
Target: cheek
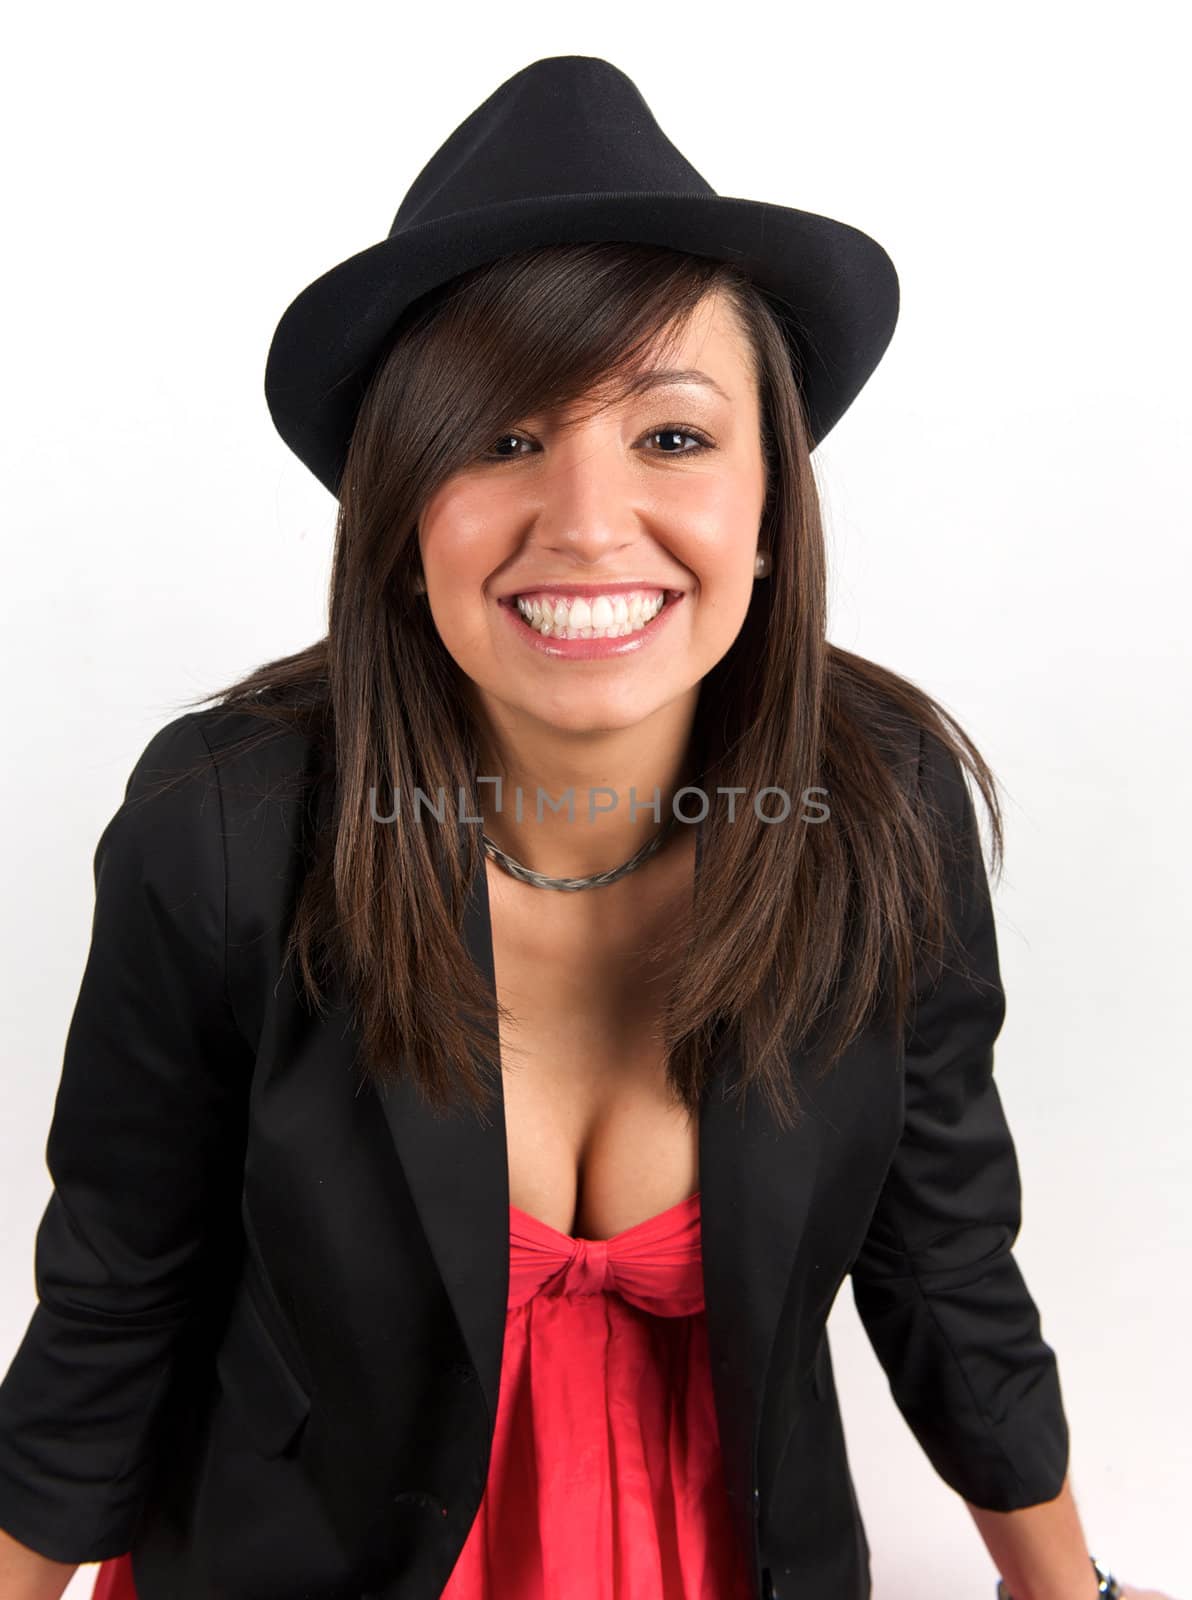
x,y
717,521
463,629
723,565
460,539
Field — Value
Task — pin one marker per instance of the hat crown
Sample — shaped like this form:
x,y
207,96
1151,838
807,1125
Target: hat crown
x,y
567,152
563,125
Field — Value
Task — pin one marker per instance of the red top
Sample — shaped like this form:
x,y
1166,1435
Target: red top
x,y
605,1479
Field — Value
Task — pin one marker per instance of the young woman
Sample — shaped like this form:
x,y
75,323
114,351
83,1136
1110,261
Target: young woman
x,y
508,1021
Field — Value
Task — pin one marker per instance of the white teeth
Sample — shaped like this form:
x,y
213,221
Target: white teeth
x,y
603,617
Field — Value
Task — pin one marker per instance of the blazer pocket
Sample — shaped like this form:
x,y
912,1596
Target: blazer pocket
x,y
260,1381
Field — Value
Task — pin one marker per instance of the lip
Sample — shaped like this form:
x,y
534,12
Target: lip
x,y
593,649
564,590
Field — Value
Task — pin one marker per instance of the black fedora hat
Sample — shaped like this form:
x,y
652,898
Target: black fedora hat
x,y
567,151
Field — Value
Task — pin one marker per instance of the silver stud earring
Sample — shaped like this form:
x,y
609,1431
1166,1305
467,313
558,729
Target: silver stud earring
x,y
761,564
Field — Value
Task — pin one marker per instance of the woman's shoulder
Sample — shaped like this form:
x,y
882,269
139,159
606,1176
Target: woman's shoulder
x,y
905,727
220,775
262,752
259,747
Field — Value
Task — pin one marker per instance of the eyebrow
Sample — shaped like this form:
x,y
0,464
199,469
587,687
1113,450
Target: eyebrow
x,y
669,375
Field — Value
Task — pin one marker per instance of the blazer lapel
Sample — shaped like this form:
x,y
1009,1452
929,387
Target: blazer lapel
x,y
457,1168
755,1184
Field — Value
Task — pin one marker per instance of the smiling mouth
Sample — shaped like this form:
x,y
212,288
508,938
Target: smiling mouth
x,y
608,615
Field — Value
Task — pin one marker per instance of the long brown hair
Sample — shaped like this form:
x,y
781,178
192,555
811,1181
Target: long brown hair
x,y
798,932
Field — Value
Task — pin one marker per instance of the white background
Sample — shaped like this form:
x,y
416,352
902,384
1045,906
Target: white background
x,y
1007,511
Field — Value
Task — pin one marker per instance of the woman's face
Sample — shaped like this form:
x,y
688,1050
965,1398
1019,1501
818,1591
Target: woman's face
x,y
623,500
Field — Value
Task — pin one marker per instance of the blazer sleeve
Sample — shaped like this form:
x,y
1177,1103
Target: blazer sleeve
x,y
936,1285
140,1148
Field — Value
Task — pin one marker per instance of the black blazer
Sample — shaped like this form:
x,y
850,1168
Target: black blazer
x,y
267,1346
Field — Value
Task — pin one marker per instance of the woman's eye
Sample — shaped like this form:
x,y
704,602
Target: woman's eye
x,y
506,438
672,432
671,435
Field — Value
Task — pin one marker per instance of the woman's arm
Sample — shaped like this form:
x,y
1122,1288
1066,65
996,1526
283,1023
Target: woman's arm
x,y
146,1155
24,1575
1040,1551
936,1284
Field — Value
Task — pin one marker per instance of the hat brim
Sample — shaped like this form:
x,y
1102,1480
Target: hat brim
x,y
837,290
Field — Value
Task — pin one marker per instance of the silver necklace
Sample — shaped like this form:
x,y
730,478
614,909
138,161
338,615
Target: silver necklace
x,y
540,880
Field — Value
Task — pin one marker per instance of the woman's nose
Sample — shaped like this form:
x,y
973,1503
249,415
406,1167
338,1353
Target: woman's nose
x,y
587,500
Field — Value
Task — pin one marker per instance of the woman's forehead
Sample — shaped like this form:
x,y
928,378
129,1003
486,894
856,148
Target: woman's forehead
x,y
711,357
